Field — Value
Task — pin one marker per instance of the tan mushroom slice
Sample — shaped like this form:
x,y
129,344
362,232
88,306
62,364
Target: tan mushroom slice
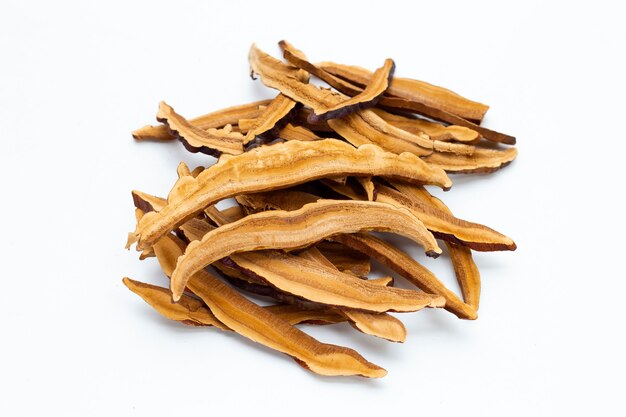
x,y
368,187
294,314
214,120
465,269
358,127
345,259
377,85
187,310
276,200
481,161
212,141
322,284
273,114
436,131
182,169
442,223
296,229
414,90
262,326
398,261
278,166
292,132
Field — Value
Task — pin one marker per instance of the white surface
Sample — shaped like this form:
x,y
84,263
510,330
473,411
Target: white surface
x,y
75,78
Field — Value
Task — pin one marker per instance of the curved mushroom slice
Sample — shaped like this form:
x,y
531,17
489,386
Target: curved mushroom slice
x,y
436,131
368,187
443,224
278,166
367,98
481,161
182,169
147,202
217,119
465,269
319,283
188,310
300,228
358,127
398,261
211,142
414,90
262,326
272,115
276,200
294,314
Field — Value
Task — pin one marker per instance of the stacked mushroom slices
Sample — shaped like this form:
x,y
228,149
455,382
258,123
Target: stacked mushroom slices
x,y
313,171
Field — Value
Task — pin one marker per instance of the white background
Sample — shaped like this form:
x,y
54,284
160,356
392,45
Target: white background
x,y
76,78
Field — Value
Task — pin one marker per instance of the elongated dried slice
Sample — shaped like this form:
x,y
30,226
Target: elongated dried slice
x,y
414,90
323,284
299,228
465,269
273,114
366,127
260,325
368,187
278,166
345,259
367,98
436,131
188,309
481,161
215,120
182,169
443,224
398,261
211,141
358,127
443,116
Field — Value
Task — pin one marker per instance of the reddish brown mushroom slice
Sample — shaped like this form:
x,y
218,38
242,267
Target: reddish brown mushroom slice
x,y
481,161
278,166
215,120
414,90
365,99
212,141
295,229
442,223
398,261
465,269
436,131
358,127
262,326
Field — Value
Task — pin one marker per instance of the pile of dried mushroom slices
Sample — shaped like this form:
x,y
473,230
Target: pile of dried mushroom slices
x,y
313,170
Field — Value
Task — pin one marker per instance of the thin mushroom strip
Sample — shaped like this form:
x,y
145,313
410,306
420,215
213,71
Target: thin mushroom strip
x,y
214,120
481,161
212,142
415,90
465,269
407,267
444,225
367,98
319,283
277,110
278,166
358,127
262,326
299,228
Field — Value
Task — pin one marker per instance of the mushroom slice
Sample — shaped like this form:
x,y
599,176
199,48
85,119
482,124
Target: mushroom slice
x,y
212,141
278,166
442,223
271,116
262,326
481,161
215,120
398,261
295,229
